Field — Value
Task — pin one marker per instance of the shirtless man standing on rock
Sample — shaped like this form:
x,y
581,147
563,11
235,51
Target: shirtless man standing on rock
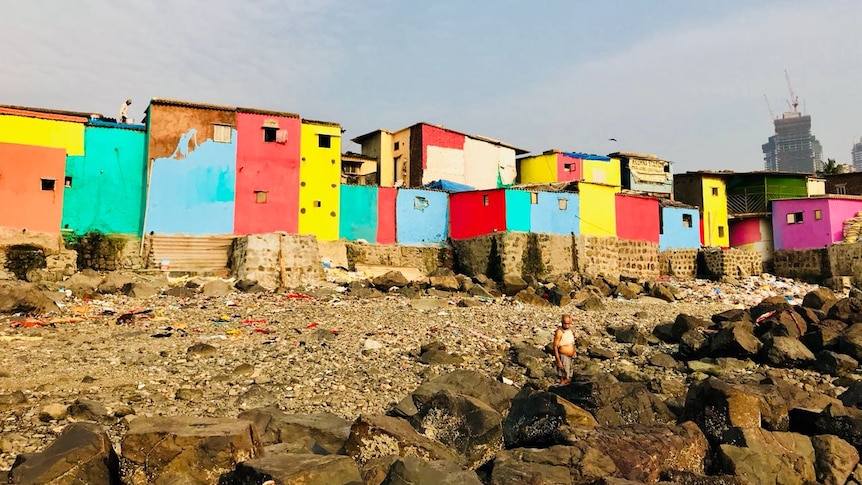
x,y
564,349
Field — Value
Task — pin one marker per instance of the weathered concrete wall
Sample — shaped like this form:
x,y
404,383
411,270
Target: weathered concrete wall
x,y
718,262
679,263
59,259
844,260
277,260
424,258
808,264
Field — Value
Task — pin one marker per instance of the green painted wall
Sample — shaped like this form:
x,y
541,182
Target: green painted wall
x,y
517,210
358,212
107,187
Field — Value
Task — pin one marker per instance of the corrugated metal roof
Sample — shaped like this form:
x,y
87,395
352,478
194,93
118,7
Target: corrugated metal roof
x,y
322,123
114,124
82,114
42,114
267,112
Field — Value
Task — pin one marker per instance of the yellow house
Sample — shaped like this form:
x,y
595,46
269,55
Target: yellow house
x,y
598,209
556,166
542,169
602,170
319,179
708,191
44,129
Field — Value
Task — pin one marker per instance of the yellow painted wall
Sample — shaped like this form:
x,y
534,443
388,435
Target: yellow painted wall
x,y
598,209
319,179
715,227
24,130
600,172
379,146
541,169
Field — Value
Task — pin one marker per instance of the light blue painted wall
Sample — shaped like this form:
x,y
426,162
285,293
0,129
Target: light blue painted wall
x,y
547,217
421,216
107,186
517,210
676,236
194,195
358,209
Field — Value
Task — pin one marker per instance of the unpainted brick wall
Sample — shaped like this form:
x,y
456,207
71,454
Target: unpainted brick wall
x,y
679,263
733,262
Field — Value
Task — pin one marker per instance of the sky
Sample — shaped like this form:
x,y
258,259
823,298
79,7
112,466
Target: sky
x,y
680,79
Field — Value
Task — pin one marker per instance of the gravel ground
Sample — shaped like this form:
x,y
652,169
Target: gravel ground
x,y
337,354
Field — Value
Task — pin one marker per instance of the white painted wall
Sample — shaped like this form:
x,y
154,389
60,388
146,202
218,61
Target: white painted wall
x,y
445,164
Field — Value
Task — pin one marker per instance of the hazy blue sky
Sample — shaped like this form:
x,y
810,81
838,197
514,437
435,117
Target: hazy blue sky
x,y
683,79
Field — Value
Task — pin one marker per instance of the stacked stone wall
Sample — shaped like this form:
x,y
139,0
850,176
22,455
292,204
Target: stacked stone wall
x,y
277,260
59,260
807,265
679,263
844,260
423,258
128,256
734,262
598,255
638,259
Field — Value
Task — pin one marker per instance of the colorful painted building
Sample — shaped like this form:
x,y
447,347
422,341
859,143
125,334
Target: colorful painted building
x,y
680,226
31,187
424,153
104,189
597,207
267,171
555,213
550,167
44,128
753,234
422,217
191,152
319,178
637,218
812,222
358,169
645,173
707,191
367,213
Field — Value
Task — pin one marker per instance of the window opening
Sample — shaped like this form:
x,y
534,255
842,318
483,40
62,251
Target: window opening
x,y
420,203
269,134
67,182
715,191
568,167
222,133
397,145
324,141
48,184
563,204
316,203
485,200
260,196
687,220
794,218
841,189
720,231
818,214
534,197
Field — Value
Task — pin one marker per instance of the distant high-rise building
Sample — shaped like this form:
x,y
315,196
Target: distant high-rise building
x,y
856,156
793,148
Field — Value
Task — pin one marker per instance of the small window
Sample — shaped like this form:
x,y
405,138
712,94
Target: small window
x,y
260,196
324,141
48,184
568,167
316,203
534,197
269,134
720,231
397,145
818,214
686,220
485,200
563,204
67,182
841,189
222,133
794,218
715,191
420,203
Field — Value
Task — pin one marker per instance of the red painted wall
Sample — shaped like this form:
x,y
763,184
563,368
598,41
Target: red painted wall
x,y
438,137
386,215
745,231
470,217
576,173
637,218
268,166
23,203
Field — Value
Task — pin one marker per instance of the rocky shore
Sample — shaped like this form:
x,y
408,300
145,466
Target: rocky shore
x,y
141,379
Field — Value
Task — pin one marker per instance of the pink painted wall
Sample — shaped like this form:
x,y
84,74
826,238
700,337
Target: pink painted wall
x,y
386,230
266,166
23,203
438,137
637,218
811,233
577,171
745,231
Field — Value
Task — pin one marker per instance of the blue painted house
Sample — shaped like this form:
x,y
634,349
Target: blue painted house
x,y
421,217
679,226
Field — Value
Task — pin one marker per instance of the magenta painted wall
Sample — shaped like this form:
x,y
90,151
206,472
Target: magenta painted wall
x,y
270,167
745,231
575,173
811,233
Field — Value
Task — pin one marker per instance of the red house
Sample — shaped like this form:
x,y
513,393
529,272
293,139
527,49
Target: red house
x,y
267,171
637,218
31,187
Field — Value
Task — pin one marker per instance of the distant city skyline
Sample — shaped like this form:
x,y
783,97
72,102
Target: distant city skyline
x,y
683,80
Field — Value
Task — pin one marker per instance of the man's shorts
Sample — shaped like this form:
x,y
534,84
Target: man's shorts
x,y
566,371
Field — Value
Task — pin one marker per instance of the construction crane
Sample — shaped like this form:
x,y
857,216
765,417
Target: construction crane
x,y
769,107
794,99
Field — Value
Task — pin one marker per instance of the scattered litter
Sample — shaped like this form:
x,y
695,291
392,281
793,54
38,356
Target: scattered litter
x,y
297,296
253,321
311,325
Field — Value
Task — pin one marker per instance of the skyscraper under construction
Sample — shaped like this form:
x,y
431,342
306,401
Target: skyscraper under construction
x,y
793,148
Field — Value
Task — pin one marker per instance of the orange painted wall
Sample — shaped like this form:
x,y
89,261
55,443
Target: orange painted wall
x,y
23,203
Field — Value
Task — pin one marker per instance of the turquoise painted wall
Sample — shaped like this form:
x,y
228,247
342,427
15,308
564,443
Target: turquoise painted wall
x,y
358,213
107,186
517,210
195,193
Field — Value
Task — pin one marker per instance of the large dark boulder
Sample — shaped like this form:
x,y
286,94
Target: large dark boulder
x,y
786,323
848,310
719,408
613,402
787,352
21,297
320,433
542,419
81,454
817,298
835,364
375,436
762,456
686,323
555,465
824,335
411,470
310,469
736,340
389,279
461,381
835,459
850,341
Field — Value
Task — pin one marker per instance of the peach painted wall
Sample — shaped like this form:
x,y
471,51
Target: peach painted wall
x,y
23,202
